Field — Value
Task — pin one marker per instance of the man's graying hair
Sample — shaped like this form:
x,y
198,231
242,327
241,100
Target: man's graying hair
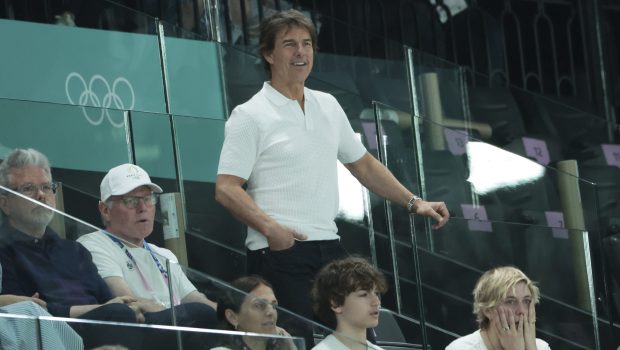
x,y
22,158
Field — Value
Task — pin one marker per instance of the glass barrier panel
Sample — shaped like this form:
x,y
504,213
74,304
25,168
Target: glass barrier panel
x,y
41,265
551,132
195,77
80,142
210,226
482,251
546,129
439,91
372,79
107,15
513,188
400,331
250,294
153,148
94,68
564,316
119,336
244,75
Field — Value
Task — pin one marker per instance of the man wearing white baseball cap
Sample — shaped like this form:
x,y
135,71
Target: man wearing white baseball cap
x,y
131,266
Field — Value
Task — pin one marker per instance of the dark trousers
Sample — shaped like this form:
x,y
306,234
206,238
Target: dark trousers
x,y
291,273
197,315
95,334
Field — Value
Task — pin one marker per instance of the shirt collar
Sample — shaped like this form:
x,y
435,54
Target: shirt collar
x,y
14,235
280,100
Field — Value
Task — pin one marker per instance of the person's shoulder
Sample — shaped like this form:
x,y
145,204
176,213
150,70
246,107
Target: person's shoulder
x,y
248,108
93,238
322,345
470,341
329,343
542,345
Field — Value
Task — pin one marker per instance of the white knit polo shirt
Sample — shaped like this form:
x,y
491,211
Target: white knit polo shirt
x,y
289,159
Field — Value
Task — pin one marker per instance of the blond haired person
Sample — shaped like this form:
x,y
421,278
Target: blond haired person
x,y
504,305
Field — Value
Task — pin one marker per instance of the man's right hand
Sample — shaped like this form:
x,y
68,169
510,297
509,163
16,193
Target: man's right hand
x,y
125,299
281,237
138,311
148,306
131,302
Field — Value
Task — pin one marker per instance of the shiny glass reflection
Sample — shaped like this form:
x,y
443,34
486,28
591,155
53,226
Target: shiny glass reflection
x,y
351,192
492,168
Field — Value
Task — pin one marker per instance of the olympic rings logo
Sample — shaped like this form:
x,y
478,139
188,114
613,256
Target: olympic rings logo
x,y
89,97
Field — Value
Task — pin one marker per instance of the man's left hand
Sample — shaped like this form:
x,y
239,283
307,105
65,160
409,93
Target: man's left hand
x,y
436,210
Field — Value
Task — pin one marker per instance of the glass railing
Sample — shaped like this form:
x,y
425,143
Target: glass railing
x,y
68,136
181,152
486,235
564,316
30,327
59,274
546,130
91,67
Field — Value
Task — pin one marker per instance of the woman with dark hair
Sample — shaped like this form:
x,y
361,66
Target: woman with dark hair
x,y
251,307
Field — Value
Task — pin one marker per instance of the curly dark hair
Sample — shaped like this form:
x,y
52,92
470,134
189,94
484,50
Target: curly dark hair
x,y
340,278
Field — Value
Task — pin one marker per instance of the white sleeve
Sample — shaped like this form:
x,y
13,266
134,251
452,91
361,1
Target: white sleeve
x,y
241,145
350,147
181,283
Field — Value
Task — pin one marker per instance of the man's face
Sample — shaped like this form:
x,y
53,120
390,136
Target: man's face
x,y
292,56
359,311
23,214
130,224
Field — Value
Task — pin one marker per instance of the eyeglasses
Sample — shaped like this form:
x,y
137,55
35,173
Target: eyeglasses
x,y
132,201
31,190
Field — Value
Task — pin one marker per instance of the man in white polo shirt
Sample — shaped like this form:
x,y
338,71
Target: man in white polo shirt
x,y
283,143
131,266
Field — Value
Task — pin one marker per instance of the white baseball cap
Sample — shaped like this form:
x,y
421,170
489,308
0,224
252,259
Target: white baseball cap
x,y
124,179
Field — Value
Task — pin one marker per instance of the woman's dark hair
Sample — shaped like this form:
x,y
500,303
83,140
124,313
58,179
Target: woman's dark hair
x,y
232,299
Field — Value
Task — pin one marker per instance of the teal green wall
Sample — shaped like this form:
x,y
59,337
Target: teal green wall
x,y
64,68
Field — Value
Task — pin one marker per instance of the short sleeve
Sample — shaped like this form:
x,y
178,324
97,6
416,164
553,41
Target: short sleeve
x,y
241,144
350,147
182,284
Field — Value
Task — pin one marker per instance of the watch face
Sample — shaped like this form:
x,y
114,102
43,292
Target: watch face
x,y
412,201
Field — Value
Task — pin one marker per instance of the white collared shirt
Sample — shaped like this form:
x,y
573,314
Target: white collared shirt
x,y
288,156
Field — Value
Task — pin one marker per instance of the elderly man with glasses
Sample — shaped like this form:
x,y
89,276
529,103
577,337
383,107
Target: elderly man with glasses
x,y
131,266
58,274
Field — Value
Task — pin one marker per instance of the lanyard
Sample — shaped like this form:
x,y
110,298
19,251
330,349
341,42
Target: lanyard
x,y
162,270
